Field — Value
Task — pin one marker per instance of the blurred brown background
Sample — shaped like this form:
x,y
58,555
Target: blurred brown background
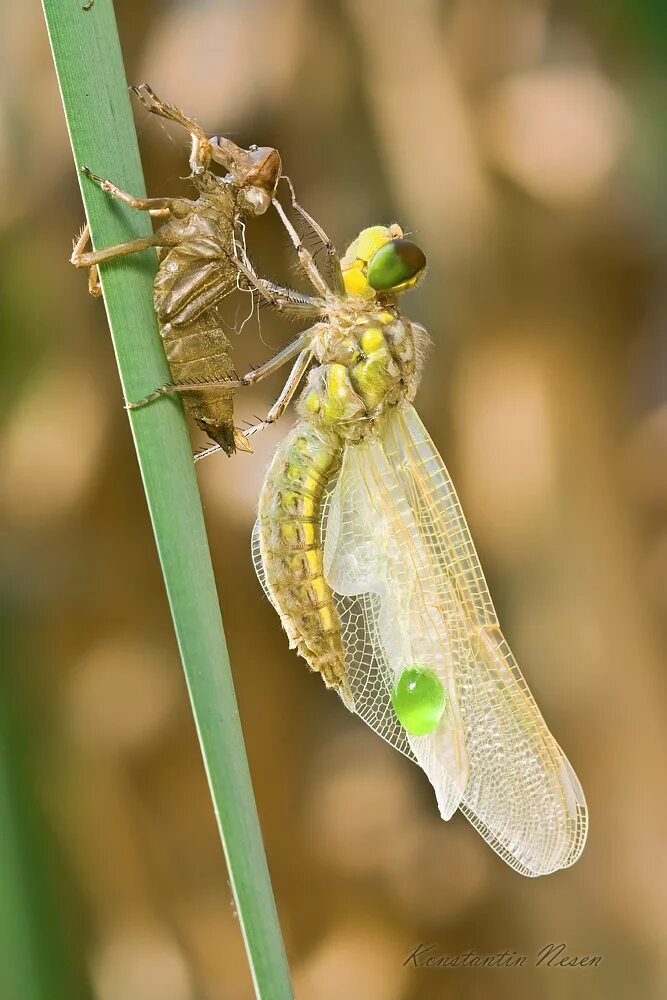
x,y
525,143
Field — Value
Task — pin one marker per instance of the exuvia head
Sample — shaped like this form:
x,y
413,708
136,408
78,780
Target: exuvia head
x,y
382,262
255,171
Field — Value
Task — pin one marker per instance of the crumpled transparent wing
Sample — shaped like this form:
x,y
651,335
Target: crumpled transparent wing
x,y
386,595
522,794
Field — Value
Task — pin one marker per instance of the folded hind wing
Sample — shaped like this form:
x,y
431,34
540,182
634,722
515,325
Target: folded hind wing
x,y
383,585
522,794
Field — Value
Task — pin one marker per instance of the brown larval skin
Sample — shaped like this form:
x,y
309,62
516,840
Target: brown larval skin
x,y
196,253
195,273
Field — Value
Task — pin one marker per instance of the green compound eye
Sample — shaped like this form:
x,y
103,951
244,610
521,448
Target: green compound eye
x,y
397,264
419,700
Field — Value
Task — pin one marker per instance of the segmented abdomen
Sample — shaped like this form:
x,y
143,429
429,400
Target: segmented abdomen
x,y
291,546
187,286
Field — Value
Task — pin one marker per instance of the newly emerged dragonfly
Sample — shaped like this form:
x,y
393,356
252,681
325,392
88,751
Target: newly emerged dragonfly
x,y
363,549
196,247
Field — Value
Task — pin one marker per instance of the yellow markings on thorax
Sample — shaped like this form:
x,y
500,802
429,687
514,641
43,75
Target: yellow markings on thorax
x,y
334,401
312,403
372,339
344,392
376,373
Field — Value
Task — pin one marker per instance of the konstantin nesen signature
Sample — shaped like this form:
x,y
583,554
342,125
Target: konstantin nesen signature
x,y
552,956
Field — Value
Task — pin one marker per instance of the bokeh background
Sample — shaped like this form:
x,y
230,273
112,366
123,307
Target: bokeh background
x,y
524,142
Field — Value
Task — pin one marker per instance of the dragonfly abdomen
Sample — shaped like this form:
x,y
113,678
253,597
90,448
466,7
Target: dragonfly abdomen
x,y
291,546
191,279
198,352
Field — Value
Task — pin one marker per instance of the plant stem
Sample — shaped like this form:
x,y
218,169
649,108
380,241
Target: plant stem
x,y
90,71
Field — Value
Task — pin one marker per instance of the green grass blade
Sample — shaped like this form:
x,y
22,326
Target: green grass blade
x,y
39,958
94,92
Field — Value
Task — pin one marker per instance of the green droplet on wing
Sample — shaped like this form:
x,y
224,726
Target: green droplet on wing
x,y
419,700
394,264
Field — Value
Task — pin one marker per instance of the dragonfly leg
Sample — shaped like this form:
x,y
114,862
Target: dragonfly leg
x,y
174,388
92,258
163,109
306,260
155,206
335,270
80,244
302,342
291,385
200,154
284,300
94,285
250,378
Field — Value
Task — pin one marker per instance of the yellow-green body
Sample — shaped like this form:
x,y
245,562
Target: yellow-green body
x,y
369,360
395,613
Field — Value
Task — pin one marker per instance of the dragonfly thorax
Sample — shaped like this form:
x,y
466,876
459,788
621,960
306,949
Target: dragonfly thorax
x,y
366,365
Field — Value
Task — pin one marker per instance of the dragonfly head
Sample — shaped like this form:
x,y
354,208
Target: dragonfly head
x,y
382,262
255,171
